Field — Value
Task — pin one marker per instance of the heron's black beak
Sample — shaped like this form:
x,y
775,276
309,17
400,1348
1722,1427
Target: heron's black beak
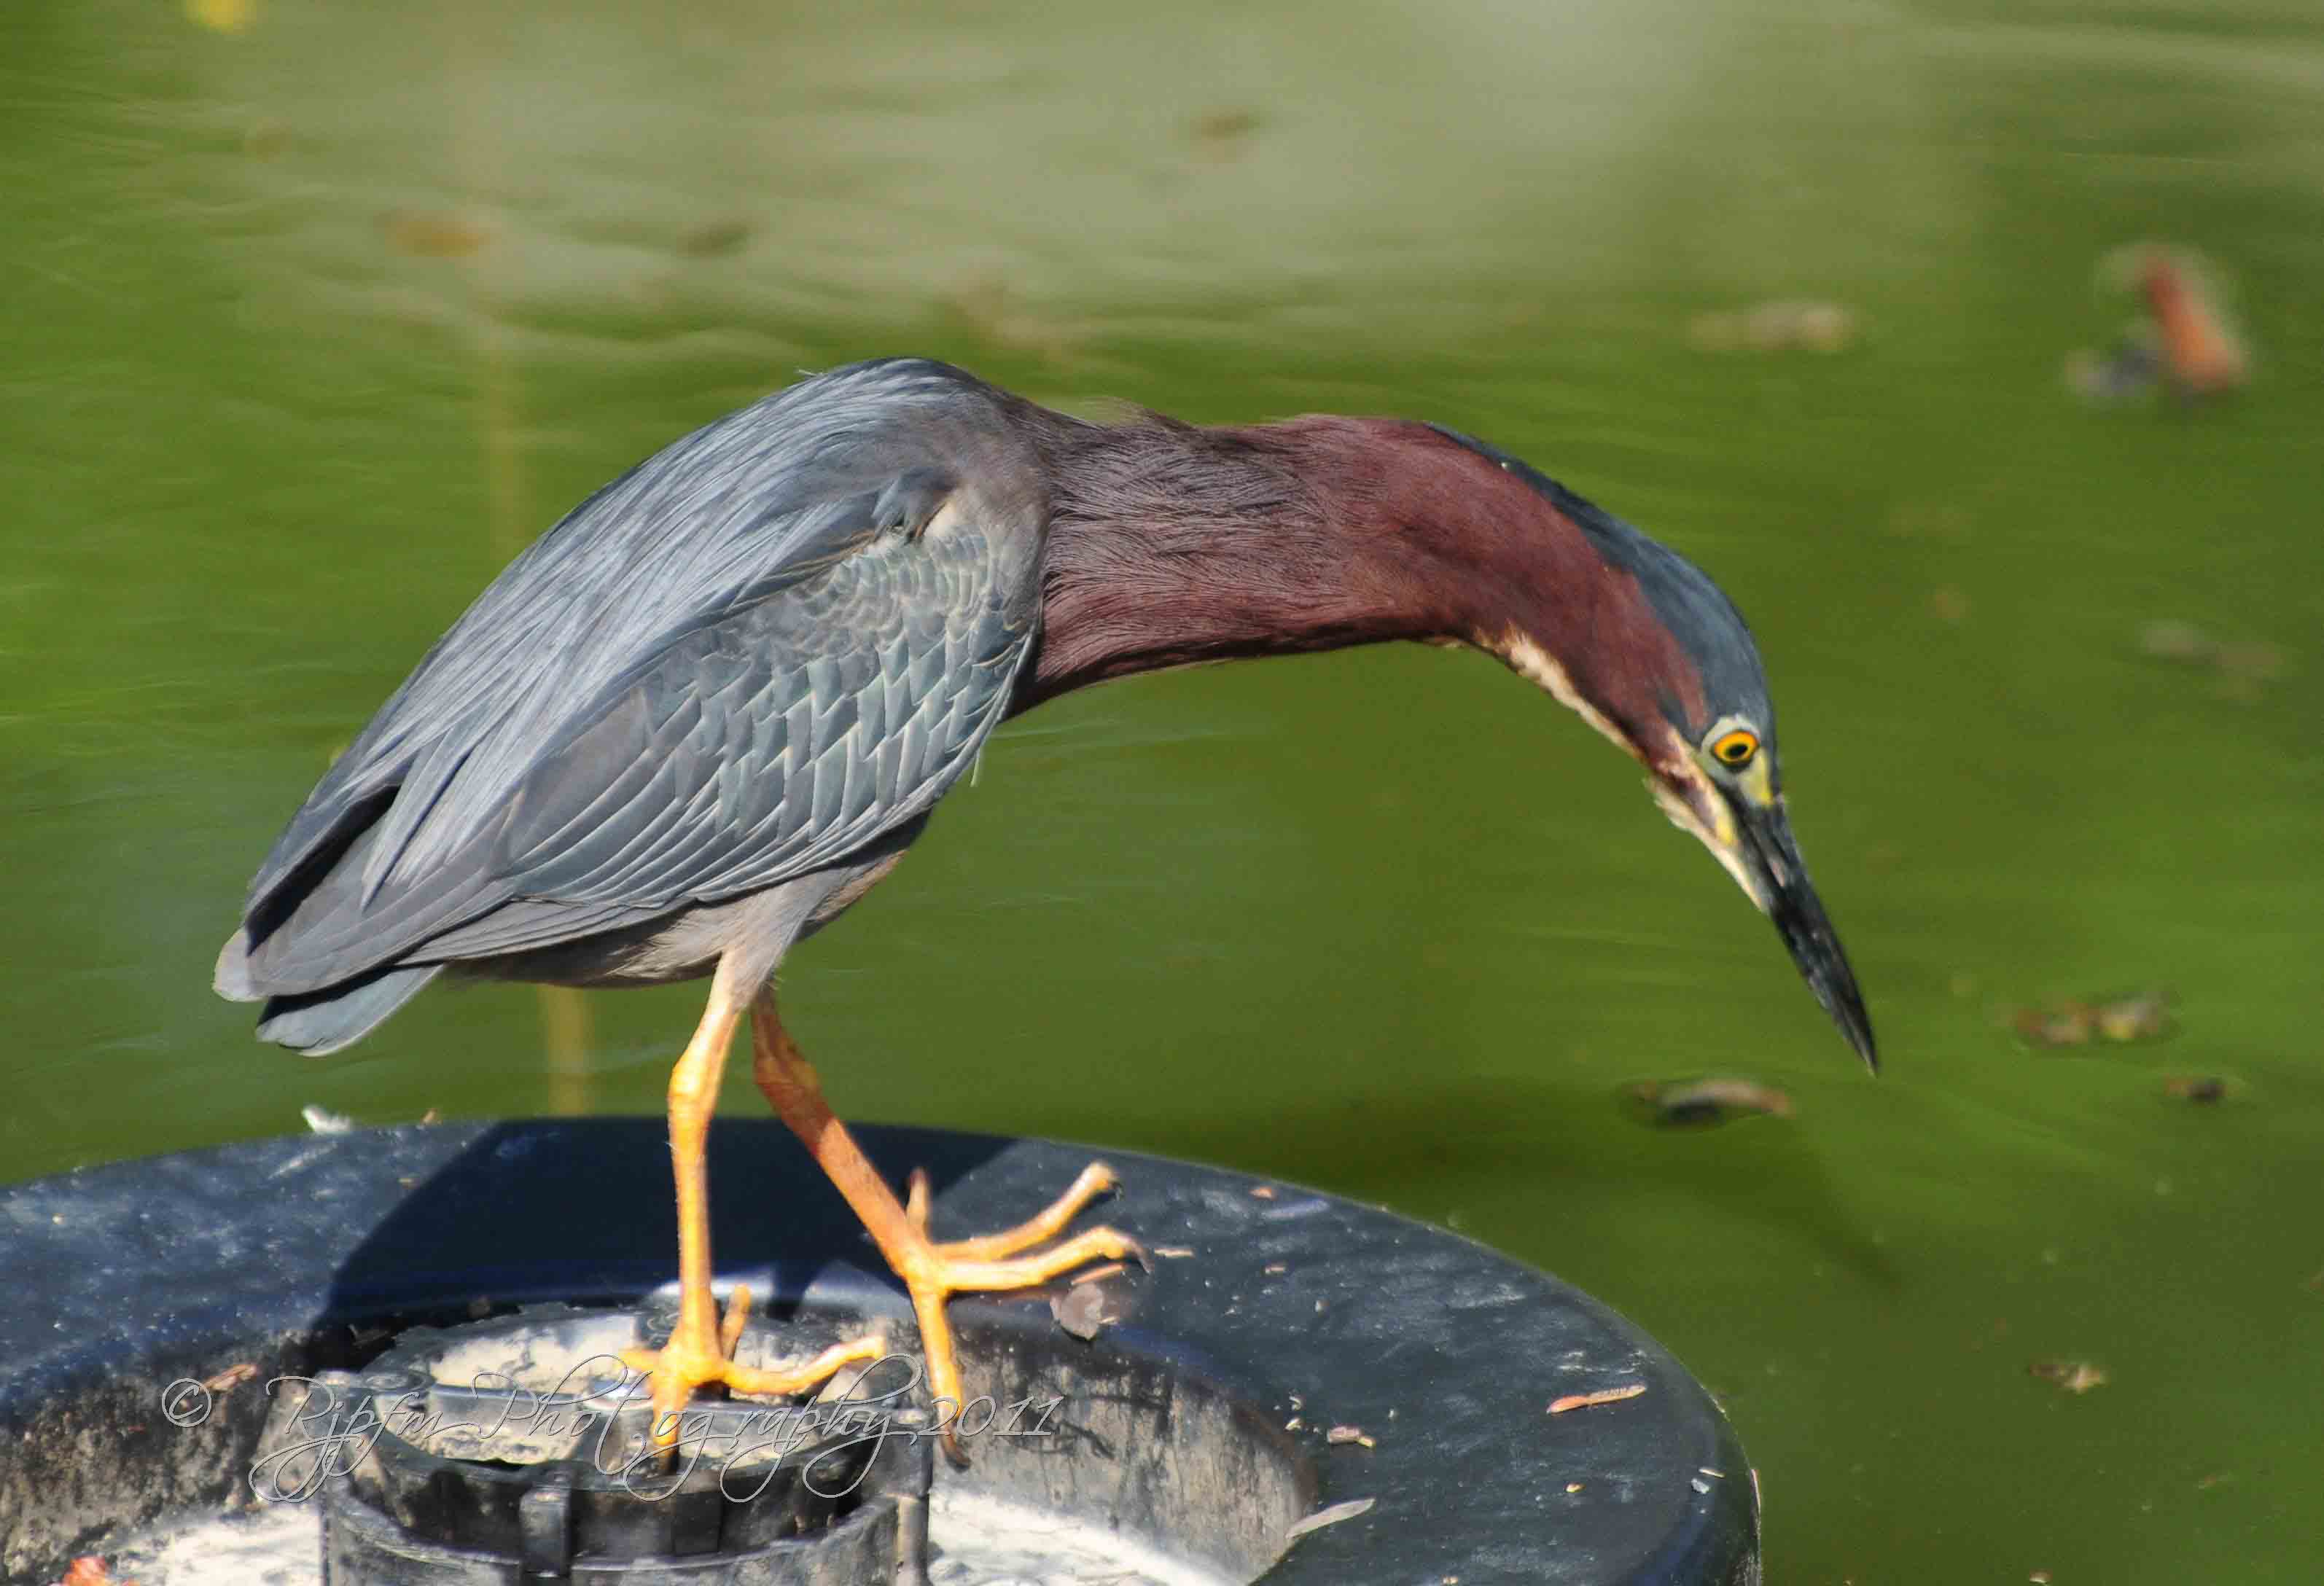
x,y
1771,858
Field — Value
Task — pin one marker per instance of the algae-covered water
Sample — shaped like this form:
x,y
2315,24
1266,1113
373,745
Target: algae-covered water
x,y
314,314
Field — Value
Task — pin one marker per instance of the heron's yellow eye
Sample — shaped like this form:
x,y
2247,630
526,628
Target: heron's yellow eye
x,y
1734,750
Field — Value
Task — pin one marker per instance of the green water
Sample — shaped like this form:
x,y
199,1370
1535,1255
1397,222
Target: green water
x,y
311,321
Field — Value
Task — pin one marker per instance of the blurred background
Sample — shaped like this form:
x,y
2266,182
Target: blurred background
x,y
315,313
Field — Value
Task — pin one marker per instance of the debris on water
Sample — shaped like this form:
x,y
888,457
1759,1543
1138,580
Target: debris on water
x,y
433,235
2248,663
1355,1434
2240,665
323,1120
224,17
2143,1017
1328,1516
264,139
2121,372
2199,1088
1780,326
2203,353
1081,1311
2076,1377
2185,338
1220,136
2071,1025
1604,1395
1261,1192
90,1570
1174,1252
713,238
1700,1103
2172,641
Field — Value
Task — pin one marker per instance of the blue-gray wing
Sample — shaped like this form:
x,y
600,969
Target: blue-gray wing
x,y
766,645
771,744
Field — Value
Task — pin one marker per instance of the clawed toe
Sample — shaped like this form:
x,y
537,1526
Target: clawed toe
x,y
698,1355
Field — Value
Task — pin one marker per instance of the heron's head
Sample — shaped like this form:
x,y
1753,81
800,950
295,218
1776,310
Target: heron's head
x,y
1649,651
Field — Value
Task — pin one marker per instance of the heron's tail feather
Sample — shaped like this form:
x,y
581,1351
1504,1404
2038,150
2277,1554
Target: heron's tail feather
x,y
319,1022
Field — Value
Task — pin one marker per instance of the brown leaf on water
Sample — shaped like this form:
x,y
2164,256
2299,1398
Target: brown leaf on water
x,y
264,140
2143,1017
2185,338
433,235
2241,665
2071,1025
1220,136
2167,638
1780,326
2200,1088
713,238
2203,349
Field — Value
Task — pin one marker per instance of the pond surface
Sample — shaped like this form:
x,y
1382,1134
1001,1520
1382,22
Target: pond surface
x,y
315,314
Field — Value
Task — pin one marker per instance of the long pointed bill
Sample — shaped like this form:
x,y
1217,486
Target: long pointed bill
x,y
1779,884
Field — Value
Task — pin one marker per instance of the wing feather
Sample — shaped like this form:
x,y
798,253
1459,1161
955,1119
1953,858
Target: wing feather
x,y
681,692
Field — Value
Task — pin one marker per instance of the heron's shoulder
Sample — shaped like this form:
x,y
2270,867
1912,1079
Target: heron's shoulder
x,y
929,396
830,437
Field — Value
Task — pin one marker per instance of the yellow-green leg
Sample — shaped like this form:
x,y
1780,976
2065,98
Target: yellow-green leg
x,y
932,1272
701,1349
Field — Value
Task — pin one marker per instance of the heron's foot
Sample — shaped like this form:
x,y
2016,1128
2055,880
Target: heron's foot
x,y
701,1351
933,1272
1096,1179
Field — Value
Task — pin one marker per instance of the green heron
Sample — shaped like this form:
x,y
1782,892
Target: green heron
x,y
712,707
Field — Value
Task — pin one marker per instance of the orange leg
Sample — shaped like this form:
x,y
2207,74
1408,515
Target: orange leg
x,y
932,1272
700,1348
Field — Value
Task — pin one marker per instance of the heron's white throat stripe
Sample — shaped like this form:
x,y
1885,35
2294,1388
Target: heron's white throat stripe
x,y
1535,664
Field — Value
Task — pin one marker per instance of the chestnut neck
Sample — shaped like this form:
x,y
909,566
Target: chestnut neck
x,y
1171,545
